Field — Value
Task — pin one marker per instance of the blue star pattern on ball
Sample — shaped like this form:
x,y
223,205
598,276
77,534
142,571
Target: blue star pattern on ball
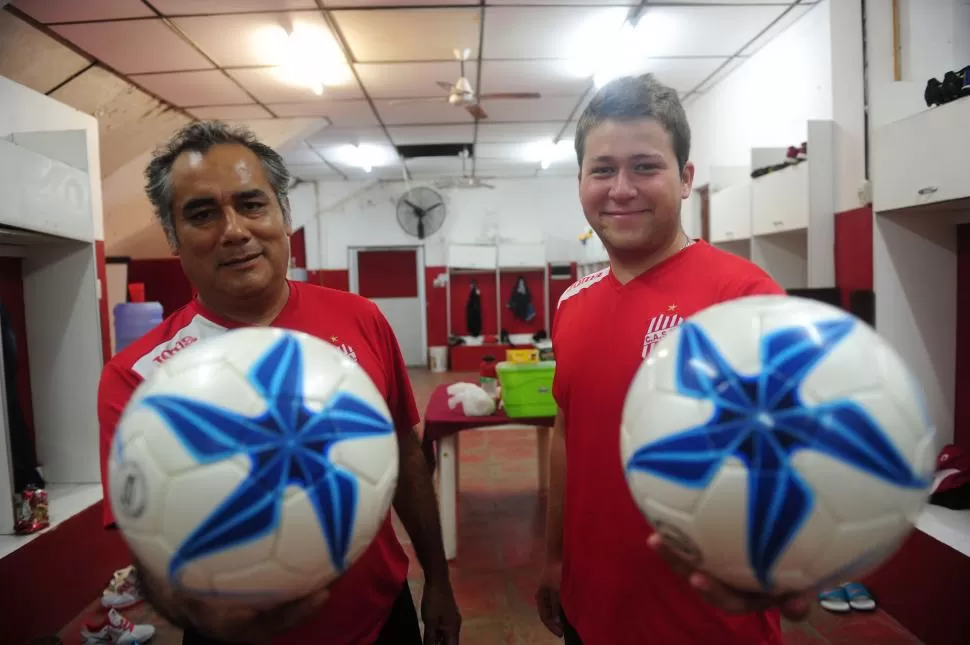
x,y
761,420
287,445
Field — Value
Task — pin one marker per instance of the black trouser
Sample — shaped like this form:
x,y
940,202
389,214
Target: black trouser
x,y
570,637
401,628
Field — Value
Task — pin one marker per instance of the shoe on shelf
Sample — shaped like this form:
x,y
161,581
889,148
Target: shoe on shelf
x,y
835,600
952,87
792,156
123,591
115,629
933,94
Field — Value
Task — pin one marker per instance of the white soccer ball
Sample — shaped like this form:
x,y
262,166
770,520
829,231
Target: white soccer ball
x,y
777,443
254,467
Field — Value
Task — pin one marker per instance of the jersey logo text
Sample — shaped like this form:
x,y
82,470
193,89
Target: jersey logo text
x,y
660,326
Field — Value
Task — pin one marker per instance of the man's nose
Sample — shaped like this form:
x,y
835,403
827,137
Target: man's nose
x,y
623,188
236,230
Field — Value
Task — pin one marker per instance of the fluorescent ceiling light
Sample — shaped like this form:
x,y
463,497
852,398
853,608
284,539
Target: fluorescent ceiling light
x,y
307,56
632,47
548,153
364,156
592,40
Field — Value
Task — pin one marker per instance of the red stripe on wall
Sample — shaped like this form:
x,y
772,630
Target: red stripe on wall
x,y
103,301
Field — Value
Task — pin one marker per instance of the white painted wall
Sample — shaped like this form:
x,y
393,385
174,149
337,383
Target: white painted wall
x,y
768,100
22,110
933,40
517,211
60,296
916,247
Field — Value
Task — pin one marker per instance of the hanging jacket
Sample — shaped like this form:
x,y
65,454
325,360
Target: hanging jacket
x,y
473,311
520,301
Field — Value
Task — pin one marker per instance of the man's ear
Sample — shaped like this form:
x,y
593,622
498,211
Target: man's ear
x,y
686,180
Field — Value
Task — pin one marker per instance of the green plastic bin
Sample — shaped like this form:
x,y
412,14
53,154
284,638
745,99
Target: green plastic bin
x,y
527,388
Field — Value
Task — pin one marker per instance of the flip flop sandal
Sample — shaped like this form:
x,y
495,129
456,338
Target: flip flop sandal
x,y
835,600
859,597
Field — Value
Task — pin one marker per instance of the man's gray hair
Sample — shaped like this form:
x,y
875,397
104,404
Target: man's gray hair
x,y
199,137
637,97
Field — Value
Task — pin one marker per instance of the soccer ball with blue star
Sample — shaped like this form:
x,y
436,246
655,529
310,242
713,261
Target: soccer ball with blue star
x,y
253,467
778,444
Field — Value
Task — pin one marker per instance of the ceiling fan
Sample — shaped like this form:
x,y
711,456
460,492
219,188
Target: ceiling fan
x,y
466,180
461,93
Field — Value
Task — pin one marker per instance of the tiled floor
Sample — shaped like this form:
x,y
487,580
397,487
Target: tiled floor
x,y
500,521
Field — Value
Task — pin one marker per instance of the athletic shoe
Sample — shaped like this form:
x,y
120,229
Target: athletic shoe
x,y
115,629
123,591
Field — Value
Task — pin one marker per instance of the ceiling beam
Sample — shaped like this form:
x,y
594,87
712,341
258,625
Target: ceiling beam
x,y
479,59
351,60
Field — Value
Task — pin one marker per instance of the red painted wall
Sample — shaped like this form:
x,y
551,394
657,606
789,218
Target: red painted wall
x,y
332,278
99,259
437,297
164,282
961,428
298,248
853,251
12,296
387,274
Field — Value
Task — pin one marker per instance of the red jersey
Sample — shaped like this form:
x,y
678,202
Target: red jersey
x,y
360,601
615,589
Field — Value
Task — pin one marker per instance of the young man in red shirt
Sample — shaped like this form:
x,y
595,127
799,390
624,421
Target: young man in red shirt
x,y
221,197
608,577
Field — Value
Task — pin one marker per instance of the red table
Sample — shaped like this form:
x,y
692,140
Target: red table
x,y
440,444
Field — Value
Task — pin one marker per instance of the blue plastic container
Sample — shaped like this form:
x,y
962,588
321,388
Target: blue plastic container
x,y
133,320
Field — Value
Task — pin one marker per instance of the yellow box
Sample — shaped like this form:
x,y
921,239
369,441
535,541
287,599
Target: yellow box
x,y
522,355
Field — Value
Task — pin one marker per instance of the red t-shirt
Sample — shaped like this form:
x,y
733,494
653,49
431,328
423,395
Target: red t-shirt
x,y
615,589
360,600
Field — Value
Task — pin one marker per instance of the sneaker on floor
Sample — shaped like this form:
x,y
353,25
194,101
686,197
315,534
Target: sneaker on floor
x,y
835,600
859,597
123,591
115,629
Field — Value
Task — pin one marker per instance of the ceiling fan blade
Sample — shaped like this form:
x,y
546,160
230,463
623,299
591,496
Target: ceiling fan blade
x,y
418,100
511,95
476,111
445,86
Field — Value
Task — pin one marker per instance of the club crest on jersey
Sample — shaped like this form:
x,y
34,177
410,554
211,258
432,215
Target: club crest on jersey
x,y
660,326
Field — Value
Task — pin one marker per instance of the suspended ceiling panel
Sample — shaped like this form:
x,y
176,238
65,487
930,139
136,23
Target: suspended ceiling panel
x,y
33,59
185,59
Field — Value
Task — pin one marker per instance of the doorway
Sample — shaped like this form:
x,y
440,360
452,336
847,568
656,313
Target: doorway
x,y
392,278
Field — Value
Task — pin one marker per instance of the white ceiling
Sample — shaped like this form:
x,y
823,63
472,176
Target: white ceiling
x,y
205,58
